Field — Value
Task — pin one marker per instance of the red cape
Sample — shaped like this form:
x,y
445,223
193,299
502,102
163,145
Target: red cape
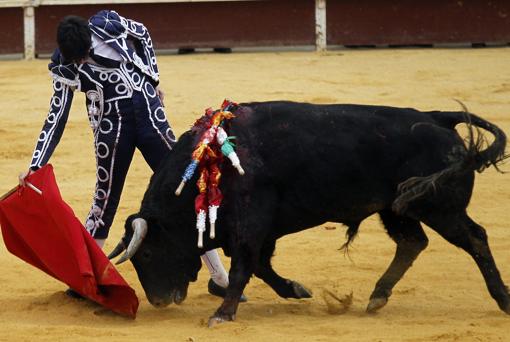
x,y
43,231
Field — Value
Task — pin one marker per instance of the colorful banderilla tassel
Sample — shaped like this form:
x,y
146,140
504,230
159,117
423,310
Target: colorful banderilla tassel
x,y
207,156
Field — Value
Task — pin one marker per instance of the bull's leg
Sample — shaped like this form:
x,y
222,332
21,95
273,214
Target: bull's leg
x,y
240,272
463,232
411,240
285,288
252,218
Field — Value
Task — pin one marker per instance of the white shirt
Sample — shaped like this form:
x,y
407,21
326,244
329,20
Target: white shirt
x,y
104,50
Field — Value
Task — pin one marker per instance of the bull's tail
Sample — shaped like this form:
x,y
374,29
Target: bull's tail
x,y
478,156
350,234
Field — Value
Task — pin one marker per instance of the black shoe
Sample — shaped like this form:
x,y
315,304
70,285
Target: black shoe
x,y
73,294
217,290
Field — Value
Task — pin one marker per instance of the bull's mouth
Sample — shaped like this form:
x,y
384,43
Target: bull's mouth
x,y
177,296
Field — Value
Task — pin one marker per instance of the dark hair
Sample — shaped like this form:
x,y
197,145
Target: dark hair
x,y
73,38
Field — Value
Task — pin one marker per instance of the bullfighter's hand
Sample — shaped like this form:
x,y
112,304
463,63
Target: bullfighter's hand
x,y
161,95
23,175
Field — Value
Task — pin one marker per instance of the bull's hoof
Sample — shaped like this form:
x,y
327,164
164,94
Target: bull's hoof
x,y
215,320
300,291
376,303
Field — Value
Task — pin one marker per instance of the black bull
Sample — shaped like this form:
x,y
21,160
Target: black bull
x,y
308,164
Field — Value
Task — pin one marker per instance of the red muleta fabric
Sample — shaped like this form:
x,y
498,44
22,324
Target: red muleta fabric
x,y
43,231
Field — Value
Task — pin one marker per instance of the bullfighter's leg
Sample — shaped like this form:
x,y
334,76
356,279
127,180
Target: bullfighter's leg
x,y
115,145
154,136
411,240
216,270
460,230
285,288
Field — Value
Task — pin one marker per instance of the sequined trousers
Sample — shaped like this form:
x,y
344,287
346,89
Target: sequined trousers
x,y
125,113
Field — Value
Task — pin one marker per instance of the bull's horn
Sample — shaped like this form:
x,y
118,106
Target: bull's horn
x,y
139,231
121,246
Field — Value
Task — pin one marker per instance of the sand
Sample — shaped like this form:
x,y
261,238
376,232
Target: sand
x,y
443,296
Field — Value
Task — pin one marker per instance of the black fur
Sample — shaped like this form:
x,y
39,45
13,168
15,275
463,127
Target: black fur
x,y
309,164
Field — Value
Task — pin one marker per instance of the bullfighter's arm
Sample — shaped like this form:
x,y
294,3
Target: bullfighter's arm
x,y
65,80
146,48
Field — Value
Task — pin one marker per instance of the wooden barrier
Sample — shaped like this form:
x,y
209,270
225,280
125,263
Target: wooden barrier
x,y
400,22
11,30
201,24
28,26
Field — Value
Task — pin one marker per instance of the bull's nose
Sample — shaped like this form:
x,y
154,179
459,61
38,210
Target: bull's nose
x,y
159,302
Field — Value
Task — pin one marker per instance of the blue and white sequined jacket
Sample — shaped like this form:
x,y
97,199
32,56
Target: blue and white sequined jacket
x,y
103,80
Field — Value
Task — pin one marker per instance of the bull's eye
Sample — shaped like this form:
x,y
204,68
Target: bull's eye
x,y
147,255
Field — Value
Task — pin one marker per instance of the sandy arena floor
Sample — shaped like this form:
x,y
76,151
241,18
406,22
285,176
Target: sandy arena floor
x,y
443,296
